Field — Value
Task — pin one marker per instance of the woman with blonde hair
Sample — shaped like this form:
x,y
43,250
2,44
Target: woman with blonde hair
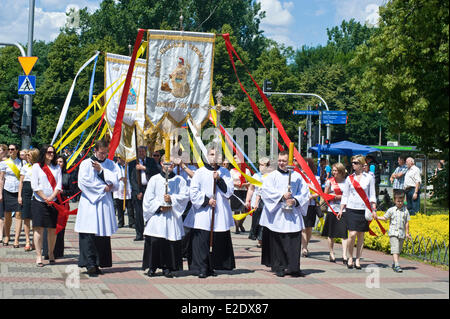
x,y
334,228
357,186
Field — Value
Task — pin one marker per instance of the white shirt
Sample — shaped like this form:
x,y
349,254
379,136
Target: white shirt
x,y
235,174
11,181
39,180
412,177
202,185
273,216
143,176
120,191
350,196
26,171
335,203
169,224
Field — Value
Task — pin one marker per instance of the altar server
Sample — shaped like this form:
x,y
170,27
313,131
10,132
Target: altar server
x,y
96,222
282,227
204,203
164,224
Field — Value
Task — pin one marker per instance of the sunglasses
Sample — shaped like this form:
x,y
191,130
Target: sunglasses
x,y
50,152
356,163
12,149
156,155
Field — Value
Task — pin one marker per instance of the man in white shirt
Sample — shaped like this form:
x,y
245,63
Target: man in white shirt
x,y
282,233
412,183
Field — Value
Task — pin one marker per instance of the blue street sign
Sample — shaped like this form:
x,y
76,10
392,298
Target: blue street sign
x,y
302,112
334,113
334,117
27,84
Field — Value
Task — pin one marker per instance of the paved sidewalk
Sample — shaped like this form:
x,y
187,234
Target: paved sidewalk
x,y
21,279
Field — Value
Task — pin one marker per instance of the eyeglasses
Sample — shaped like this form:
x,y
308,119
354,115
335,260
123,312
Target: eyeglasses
x,y
156,155
50,152
12,149
356,163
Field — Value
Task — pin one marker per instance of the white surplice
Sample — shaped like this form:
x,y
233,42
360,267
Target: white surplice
x,y
202,185
96,213
273,216
169,224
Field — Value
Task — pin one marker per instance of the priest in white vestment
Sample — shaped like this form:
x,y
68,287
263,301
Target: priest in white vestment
x,y
96,221
205,202
281,241
163,222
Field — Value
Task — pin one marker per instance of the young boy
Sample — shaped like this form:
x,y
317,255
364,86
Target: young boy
x,y
398,226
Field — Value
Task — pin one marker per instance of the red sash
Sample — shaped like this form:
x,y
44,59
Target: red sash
x,y
63,206
336,189
365,199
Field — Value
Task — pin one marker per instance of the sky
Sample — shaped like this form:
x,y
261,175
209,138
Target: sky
x,y
294,23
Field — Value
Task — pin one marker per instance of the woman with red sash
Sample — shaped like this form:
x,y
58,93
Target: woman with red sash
x,y
46,181
334,228
359,188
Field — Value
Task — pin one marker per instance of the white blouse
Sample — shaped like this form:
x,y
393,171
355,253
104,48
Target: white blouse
x,y
26,171
335,203
39,181
11,181
350,196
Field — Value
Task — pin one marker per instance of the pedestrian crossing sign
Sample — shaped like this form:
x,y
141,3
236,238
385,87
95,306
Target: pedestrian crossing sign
x,y
27,84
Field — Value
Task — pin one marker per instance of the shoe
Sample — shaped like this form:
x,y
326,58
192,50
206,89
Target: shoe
x,y
5,244
138,239
151,273
344,261
398,269
350,266
212,273
297,274
242,229
280,273
51,261
332,260
16,246
92,272
28,247
98,271
40,264
120,226
305,253
202,275
167,273
237,232
131,226
258,246
357,266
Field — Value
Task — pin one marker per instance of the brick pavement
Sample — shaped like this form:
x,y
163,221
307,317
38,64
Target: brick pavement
x,y
21,279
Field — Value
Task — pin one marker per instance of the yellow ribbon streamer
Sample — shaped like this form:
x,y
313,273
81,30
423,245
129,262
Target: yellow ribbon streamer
x,y
242,215
194,150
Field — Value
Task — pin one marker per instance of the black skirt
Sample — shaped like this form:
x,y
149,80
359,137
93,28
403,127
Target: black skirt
x,y
310,218
10,201
335,228
27,194
284,250
356,220
43,215
256,228
222,252
236,205
162,253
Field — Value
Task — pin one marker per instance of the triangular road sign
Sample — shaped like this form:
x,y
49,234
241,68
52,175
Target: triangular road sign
x,y
27,63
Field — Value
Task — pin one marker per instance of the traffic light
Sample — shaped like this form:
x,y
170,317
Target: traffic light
x,y
327,142
267,86
16,115
305,137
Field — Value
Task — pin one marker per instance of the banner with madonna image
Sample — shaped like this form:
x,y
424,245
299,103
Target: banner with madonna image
x,y
179,79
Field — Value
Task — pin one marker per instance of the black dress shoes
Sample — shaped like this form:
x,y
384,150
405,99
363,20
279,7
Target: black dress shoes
x,y
280,273
212,273
167,273
138,239
202,275
151,273
297,274
98,271
92,271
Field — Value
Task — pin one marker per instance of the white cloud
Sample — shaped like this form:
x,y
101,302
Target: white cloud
x,y
277,12
361,10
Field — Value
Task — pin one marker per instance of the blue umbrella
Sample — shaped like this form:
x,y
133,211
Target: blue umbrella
x,y
344,148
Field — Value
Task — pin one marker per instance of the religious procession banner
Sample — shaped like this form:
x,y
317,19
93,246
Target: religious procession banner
x,y
116,67
179,79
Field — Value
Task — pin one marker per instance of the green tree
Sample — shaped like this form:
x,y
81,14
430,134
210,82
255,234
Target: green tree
x,y
405,71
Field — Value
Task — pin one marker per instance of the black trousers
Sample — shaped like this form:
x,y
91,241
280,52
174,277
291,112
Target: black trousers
x,y
121,213
138,216
94,251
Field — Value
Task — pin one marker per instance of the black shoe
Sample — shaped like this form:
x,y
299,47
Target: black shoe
x,y
350,266
131,226
357,267
167,273
280,273
138,239
151,273
98,271
297,274
120,226
92,272
344,261
242,229
202,275
332,260
212,273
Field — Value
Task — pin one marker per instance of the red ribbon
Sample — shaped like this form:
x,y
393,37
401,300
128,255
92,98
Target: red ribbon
x,y
123,100
62,207
365,199
276,121
336,189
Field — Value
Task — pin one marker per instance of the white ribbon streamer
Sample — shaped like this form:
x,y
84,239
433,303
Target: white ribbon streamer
x,y
198,139
65,108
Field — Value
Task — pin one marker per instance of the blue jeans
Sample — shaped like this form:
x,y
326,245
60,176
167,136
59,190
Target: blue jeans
x,y
413,206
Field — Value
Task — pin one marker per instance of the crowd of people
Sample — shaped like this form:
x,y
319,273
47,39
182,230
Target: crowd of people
x,y
181,210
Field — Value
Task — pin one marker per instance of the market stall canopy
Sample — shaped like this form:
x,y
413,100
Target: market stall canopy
x,y
344,148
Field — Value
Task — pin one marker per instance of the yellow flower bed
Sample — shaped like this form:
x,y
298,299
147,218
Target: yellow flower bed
x,y
435,227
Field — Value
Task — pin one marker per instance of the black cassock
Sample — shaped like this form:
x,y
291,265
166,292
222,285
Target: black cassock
x,y
94,251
